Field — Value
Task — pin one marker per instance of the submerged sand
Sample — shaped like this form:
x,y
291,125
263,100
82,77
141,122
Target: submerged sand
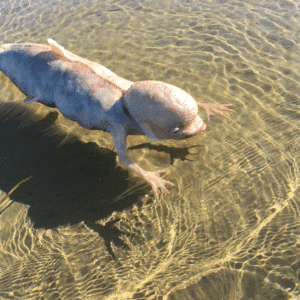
x,y
83,227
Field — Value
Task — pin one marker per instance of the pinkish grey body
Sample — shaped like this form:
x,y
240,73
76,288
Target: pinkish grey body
x,y
96,98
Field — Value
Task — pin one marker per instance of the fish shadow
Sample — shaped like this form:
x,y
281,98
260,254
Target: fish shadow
x,y
69,182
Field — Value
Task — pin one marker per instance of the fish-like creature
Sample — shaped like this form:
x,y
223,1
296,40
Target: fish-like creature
x,y
96,98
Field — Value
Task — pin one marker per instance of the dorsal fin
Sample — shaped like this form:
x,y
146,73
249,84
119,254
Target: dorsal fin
x,y
58,49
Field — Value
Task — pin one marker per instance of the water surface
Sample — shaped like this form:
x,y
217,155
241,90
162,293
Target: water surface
x,y
84,227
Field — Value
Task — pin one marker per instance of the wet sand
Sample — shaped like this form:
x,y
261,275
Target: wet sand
x,y
84,227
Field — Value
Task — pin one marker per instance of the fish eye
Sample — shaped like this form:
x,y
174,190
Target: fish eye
x,y
176,130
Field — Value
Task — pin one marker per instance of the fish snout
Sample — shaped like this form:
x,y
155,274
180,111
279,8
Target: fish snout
x,y
196,127
202,127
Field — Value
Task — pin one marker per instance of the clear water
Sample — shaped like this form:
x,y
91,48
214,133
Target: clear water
x,y
83,227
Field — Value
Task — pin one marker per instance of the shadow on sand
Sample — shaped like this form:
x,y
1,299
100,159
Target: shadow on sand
x,y
71,181
68,182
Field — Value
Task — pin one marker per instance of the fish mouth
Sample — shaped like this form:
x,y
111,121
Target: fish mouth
x,y
195,129
202,128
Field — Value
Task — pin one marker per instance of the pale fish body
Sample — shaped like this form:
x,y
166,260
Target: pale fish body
x,y
96,98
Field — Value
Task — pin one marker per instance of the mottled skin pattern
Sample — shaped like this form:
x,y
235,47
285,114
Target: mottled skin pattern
x,y
96,98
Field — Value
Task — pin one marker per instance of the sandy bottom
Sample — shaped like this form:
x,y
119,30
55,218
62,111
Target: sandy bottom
x,y
80,226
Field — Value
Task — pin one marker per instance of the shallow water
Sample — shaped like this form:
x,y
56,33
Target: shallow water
x,y
83,227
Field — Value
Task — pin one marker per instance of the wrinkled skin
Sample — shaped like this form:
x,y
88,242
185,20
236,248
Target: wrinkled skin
x,y
96,98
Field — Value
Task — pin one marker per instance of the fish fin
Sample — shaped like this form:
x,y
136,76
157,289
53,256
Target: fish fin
x,y
58,49
31,99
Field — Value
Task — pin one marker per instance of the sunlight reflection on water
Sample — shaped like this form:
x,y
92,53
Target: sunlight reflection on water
x,y
83,227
